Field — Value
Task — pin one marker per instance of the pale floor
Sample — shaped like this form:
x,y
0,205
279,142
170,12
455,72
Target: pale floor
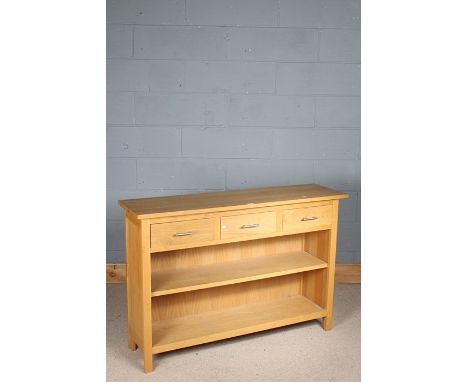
x,y
301,352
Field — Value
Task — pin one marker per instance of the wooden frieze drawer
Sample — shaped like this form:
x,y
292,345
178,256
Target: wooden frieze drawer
x,y
210,266
242,226
304,219
180,233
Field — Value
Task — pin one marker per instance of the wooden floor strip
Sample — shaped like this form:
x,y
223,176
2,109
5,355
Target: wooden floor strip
x,y
348,273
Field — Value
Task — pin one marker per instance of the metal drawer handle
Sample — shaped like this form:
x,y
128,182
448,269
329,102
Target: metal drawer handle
x,y
308,218
183,233
250,225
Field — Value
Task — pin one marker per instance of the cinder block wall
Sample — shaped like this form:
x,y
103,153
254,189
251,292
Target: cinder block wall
x,y
226,94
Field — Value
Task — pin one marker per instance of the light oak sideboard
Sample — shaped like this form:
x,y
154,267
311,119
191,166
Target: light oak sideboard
x,y
206,267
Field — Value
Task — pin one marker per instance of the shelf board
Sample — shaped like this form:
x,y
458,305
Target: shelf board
x,y
233,272
187,331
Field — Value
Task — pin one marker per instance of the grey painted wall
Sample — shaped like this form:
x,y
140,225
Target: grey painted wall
x,y
226,94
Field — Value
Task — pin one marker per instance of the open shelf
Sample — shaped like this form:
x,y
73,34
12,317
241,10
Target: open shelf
x,y
171,334
233,272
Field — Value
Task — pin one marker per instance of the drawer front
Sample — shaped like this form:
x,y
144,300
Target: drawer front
x,y
188,232
303,219
243,226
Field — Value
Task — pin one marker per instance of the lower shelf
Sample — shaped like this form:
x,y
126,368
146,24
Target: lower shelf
x,y
213,326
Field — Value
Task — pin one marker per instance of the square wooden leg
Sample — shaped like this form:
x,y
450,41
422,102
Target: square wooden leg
x,y
327,323
148,362
131,344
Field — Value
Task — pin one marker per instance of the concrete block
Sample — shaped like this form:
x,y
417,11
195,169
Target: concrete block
x,y
226,143
115,235
131,141
349,237
344,257
358,215
272,44
338,144
127,75
318,78
339,174
265,110
119,109
340,45
184,174
144,75
152,12
119,41
338,111
228,12
166,76
249,173
316,144
184,109
235,77
115,257
121,174
180,42
348,207
320,13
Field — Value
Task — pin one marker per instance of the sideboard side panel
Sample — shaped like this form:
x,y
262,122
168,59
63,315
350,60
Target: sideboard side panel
x,y
328,320
134,280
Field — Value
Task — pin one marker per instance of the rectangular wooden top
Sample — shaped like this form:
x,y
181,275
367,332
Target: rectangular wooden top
x,y
146,208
